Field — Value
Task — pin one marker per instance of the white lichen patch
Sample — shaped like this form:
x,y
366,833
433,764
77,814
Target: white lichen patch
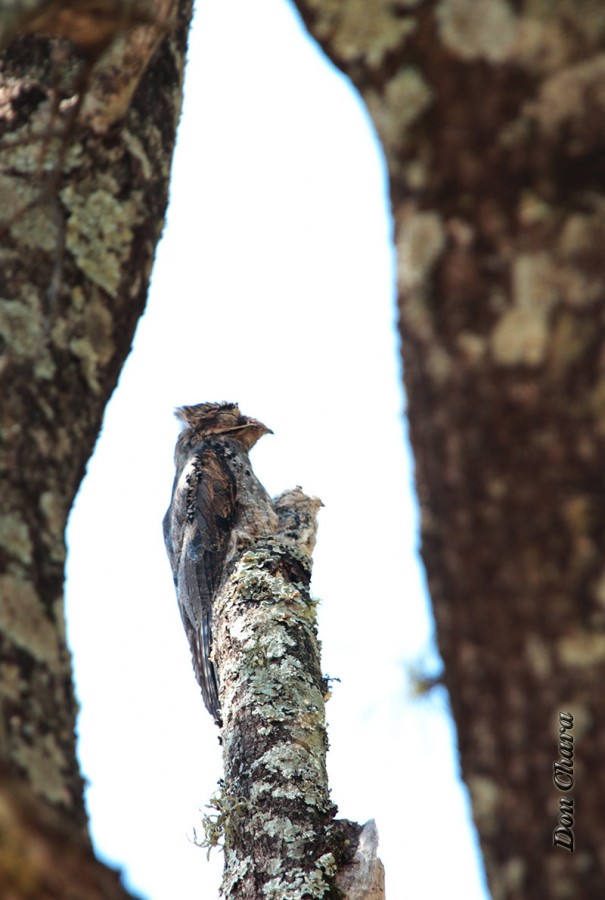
x,y
421,241
77,298
535,282
291,760
284,828
63,443
272,704
52,506
405,98
289,670
236,868
581,237
273,866
327,864
134,145
11,87
297,886
549,33
14,538
21,151
439,363
521,335
544,43
261,790
533,209
471,30
37,227
53,510
511,877
580,290
582,649
588,19
99,234
485,796
94,345
20,326
472,346
577,235
44,367
276,644
567,95
415,174
59,620
10,683
44,763
23,621
569,340
301,771
243,631
355,32
84,350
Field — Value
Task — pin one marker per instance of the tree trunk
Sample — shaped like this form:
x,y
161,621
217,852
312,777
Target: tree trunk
x,y
274,811
491,116
82,205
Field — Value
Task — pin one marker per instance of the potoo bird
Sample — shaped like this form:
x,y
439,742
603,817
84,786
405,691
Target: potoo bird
x,y
217,504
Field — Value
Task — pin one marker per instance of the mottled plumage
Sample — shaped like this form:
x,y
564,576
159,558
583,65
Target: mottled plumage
x,y
217,503
297,517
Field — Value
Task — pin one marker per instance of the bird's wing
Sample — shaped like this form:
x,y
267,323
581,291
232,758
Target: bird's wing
x,y
198,533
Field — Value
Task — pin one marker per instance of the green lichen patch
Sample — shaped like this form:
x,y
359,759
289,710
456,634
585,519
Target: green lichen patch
x,y
471,30
20,326
23,621
99,233
354,34
404,99
14,538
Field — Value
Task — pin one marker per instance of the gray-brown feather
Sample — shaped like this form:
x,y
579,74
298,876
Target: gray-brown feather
x,y
217,502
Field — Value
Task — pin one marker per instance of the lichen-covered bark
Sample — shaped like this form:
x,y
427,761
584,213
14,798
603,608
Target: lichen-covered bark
x,y
492,120
76,251
281,839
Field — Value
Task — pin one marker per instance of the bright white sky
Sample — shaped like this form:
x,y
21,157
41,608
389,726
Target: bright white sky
x,y
273,287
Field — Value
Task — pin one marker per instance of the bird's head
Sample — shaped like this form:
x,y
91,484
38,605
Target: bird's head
x,y
220,418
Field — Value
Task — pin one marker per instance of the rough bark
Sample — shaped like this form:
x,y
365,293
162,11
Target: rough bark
x,y
81,213
492,120
42,856
281,838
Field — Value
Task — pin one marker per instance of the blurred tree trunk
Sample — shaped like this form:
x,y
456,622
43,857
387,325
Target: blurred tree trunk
x,y
492,117
81,211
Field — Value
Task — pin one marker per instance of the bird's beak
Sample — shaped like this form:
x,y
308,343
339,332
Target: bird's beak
x,y
254,423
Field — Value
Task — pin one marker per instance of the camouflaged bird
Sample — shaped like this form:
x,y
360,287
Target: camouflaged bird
x,y
217,504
